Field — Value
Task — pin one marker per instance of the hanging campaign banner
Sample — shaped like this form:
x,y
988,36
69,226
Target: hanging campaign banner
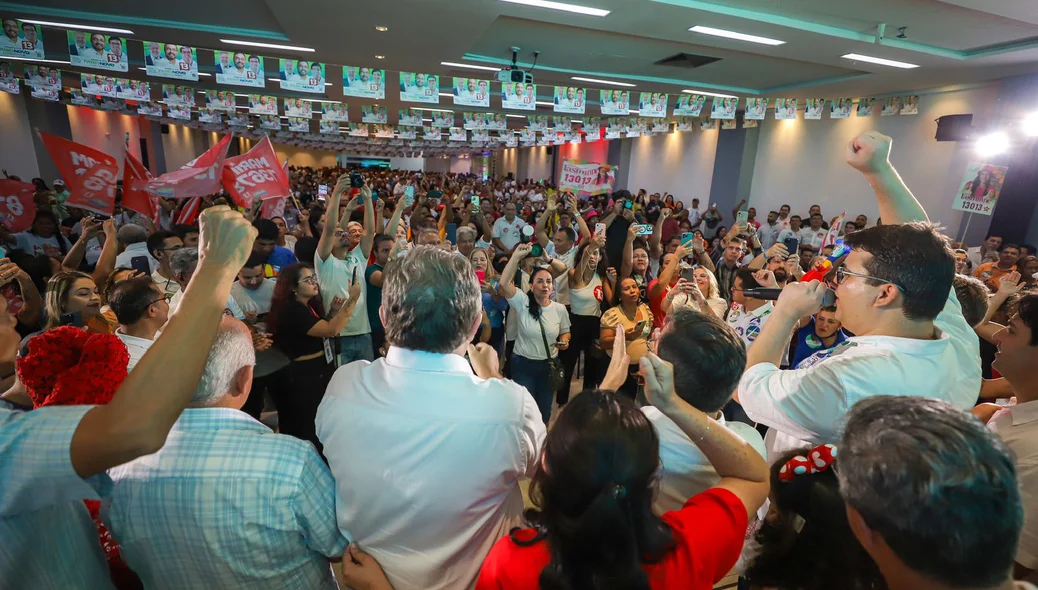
x,y
182,112
470,92
723,107
169,60
431,134
335,111
109,86
755,109
197,178
149,109
363,82
614,102
270,122
527,135
256,174
840,108
298,107
178,95
90,49
690,105
474,120
813,109
980,188
686,124
299,124
519,95
591,122
22,40
497,121
328,126
910,105
50,94
409,117
301,75
587,178
458,134
481,135
708,124
660,126
8,82
728,124
373,114
384,131
76,96
17,209
220,100
208,115
238,69
137,91
407,132
652,104
615,125
865,107
569,99
43,77
750,123
416,87
785,108
89,174
891,106
358,129
511,141
593,134
442,119
636,127
237,119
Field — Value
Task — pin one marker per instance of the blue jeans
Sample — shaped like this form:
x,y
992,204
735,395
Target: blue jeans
x,y
355,348
533,375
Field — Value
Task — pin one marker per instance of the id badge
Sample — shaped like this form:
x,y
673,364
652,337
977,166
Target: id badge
x,y
329,354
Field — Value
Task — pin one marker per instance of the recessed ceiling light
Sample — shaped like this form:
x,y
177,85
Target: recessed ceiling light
x,y
44,61
267,45
380,57
561,6
434,110
880,61
577,121
381,29
78,26
597,81
545,103
201,74
470,66
735,35
705,93
516,116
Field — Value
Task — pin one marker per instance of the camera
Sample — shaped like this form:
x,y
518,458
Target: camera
x,y
356,180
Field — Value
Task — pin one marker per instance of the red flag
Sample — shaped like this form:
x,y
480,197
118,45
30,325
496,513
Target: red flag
x,y
275,207
197,178
189,214
255,175
834,231
134,198
89,174
17,209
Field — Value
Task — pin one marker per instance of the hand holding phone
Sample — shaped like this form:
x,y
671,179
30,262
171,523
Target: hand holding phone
x,y
742,217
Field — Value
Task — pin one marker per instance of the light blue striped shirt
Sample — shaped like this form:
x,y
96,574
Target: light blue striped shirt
x,y
226,503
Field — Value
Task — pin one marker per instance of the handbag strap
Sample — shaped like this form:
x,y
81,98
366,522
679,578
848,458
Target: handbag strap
x,y
544,336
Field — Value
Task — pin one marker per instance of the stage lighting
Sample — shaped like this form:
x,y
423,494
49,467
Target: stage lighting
x,y
992,144
1030,125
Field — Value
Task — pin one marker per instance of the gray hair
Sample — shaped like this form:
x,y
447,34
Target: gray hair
x,y
937,485
431,300
132,234
231,351
183,261
466,230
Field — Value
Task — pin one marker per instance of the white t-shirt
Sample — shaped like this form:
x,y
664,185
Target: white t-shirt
x,y
334,276
510,233
135,346
1018,427
807,406
562,281
31,243
748,324
813,237
529,343
257,300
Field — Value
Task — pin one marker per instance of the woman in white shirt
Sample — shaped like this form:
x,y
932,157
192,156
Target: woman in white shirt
x,y
543,329
588,287
701,295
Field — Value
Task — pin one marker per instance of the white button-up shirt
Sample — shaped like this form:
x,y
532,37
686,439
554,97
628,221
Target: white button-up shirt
x,y
807,406
134,250
427,459
1018,427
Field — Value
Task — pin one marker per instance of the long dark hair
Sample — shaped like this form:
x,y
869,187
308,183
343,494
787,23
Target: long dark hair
x,y
808,544
603,262
593,496
535,308
284,291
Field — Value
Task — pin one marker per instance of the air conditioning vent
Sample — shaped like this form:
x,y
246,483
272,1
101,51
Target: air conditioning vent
x,y
687,60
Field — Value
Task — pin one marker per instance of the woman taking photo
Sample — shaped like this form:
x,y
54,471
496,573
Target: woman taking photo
x,y
701,295
588,288
72,299
299,332
592,523
542,330
494,306
636,320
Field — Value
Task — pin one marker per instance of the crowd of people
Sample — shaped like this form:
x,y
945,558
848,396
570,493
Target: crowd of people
x,y
351,392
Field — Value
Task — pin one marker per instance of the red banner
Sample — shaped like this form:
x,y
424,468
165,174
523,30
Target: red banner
x,y
189,214
135,175
17,209
89,174
197,178
255,175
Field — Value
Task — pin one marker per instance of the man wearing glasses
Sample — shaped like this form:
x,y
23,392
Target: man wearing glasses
x,y
142,308
160,245
895,294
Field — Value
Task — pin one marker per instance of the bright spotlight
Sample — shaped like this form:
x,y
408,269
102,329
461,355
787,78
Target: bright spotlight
x,y
992,144
1030,125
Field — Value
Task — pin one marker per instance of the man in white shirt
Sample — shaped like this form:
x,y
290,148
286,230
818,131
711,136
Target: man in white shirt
x,y
708,360
986,252
814,234
769,231
142,309
134,241
507,231
443,447
252,292
252,509
895,293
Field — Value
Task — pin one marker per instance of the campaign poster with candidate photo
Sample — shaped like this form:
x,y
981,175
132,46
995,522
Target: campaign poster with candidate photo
x,y
22,39
409,118
709,124
689,105
866,106
358,129
537,122
569,99
384,131
470,92
459,134
91,49
270,122
238,119
785,109
101,85
133,90
298,107
263,105
561,123
149,109
685,124
840,108
891,106
727,124
527,135
363,82
980,188
910,105
76,96
750,123
48,94
220,100
481,135
511,141
756,108
335,111
418,87
724,107
43,77
496,121
442,119
591,122
328,127
299,124
813,108
614,102
593,134
373,114
407,133
180,95
652,104
660,126
170,60
236,68
432,134
182,112
300,75
208,115
519,96
474,120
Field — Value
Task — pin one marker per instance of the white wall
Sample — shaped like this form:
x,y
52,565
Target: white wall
x,y
460,165
437,165
181,145
679,163
407,163
533,163
802,162
16,150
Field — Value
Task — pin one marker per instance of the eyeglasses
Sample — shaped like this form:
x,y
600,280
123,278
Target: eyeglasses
x,y
842,274
172,249
311,280
167,298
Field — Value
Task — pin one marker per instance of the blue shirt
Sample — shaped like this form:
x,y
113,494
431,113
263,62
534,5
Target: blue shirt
x,y
496,310
279,259
808,343
226,503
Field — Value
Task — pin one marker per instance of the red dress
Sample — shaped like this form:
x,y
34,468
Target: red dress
x,y
709,531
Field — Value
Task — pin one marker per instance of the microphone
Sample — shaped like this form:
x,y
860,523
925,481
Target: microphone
x,y
766,294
